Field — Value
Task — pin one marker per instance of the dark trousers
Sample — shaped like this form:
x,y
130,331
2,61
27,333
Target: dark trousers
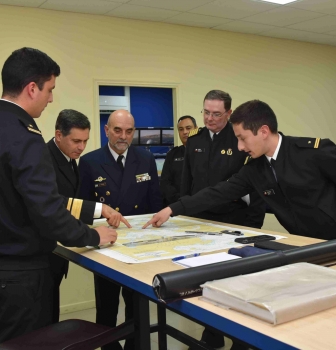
x,y
59,268
107,304
25,301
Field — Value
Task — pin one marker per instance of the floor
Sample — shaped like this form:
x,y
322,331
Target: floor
x,y
191,328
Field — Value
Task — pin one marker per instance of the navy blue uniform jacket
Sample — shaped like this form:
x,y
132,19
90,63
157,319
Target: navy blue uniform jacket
x,y
303,197
102,180
32,213
208,162
170,181
67,179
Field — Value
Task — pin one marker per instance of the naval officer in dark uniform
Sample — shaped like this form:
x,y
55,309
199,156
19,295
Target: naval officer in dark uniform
x,y
72,132
33,216
212,156
170,181
295,176
124,177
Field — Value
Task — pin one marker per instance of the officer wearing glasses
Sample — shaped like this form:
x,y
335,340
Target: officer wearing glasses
x,y
212,156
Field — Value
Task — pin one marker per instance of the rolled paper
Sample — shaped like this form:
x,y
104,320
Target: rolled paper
x,y
185,283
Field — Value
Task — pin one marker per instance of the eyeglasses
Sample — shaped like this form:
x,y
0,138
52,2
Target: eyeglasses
x,y
214,115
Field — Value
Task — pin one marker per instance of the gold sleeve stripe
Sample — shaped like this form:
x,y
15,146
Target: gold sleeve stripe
x,y
246,160
76,208
69,204
317,142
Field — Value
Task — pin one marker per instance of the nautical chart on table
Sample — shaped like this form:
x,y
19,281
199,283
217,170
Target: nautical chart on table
x,y
135,245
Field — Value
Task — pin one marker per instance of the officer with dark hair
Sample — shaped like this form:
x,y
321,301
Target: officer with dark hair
x,y
33,216
295,176
72,132
170,181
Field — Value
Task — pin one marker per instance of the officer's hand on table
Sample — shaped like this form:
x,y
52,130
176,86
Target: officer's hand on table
x,y
113,217
106,234
159,218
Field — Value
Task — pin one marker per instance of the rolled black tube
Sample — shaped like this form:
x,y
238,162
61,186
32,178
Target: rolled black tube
x,y
184,283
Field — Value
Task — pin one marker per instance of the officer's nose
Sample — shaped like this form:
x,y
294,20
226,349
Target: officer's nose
x,y
241,146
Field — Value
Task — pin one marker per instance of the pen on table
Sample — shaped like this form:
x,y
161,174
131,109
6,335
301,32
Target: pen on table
x,y
185,256
231,232
205,233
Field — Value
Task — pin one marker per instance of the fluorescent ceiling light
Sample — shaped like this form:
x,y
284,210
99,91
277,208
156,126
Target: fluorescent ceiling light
x,y
280,2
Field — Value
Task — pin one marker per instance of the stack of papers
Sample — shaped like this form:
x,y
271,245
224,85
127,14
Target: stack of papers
x,y
206,259
277,295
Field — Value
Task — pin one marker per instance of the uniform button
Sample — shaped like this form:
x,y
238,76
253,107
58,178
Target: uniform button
x,y
117,209
96,194
102,199
108,193
136,206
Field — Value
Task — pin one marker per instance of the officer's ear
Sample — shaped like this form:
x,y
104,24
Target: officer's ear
x,y
106,129
264,131
31,89
58,135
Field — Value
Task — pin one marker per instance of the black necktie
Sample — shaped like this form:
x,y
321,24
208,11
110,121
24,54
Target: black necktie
x,y
120,163
214,136
273,168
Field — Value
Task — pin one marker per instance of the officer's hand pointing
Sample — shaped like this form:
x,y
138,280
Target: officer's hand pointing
x,y
159,218
113,217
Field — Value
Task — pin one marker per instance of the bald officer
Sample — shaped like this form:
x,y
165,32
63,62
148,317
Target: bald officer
x,y
124,177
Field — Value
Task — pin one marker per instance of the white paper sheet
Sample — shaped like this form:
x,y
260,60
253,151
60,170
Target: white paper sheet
x,y
206,259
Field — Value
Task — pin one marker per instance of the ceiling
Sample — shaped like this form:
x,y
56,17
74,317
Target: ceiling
x,y
304,20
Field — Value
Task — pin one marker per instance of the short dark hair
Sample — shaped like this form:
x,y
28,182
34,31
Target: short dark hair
x,y
68,119
188,117
27,65
253,115
219,95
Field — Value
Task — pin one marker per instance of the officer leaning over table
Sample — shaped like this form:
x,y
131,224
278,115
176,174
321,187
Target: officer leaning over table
x,y
295,176
124,177
33,216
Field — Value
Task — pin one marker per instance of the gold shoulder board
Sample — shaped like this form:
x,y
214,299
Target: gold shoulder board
x,y
308,142
194,131
34,130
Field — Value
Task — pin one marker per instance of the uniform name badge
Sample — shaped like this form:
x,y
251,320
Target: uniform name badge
x,y
179,159
142,177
